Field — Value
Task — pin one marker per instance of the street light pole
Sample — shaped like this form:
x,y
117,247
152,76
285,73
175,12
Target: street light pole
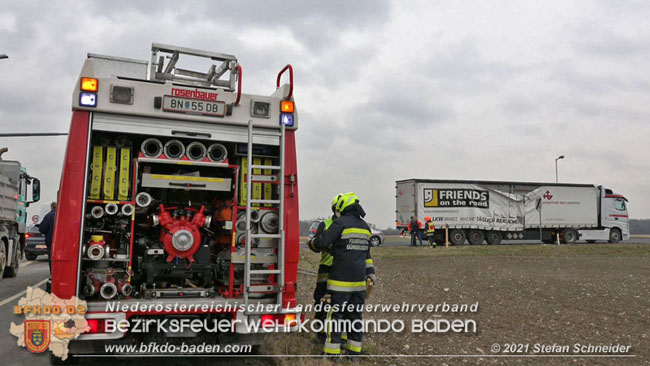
x,y
556,159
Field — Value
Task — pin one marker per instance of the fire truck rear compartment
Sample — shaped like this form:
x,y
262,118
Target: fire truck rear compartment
x,y
165,218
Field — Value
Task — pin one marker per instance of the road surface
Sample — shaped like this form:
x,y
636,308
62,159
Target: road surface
x,y
31,273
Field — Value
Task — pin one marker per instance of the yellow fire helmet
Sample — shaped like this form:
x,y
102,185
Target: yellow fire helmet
x,y
345,200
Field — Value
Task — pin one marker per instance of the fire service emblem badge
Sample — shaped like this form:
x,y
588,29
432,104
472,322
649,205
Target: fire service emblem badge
x,y
37,335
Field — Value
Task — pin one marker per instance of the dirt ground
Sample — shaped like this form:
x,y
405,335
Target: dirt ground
x,y
528,294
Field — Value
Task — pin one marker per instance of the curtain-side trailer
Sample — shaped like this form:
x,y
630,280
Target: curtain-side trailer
x,y
491,211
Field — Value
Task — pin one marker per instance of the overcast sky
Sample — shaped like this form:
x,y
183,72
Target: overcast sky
x,y
491,90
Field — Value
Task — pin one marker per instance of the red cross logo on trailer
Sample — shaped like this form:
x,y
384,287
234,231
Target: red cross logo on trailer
x,y
548,195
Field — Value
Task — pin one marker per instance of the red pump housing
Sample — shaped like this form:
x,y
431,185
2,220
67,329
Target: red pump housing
x,y
181,237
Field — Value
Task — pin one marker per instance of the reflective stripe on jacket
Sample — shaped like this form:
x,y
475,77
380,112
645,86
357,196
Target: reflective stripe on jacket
x,y
348,240
325,257
430,227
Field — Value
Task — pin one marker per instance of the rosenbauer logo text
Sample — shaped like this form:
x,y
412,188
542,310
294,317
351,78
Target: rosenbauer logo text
x,y
194,94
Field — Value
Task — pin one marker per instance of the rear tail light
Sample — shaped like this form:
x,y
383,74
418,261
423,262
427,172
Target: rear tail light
x,y
27,235
96,325
271,320
268,320
290,320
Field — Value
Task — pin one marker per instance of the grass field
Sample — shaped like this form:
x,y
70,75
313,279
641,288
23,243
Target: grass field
x,y
526,293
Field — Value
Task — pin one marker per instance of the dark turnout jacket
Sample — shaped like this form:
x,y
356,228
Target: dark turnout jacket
x,y
348,240
47,228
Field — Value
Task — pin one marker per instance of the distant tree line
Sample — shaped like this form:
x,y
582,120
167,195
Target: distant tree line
x,y
640,226
637,226
304,227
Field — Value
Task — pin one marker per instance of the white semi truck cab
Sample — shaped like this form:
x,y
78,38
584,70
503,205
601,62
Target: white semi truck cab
x,y
614,220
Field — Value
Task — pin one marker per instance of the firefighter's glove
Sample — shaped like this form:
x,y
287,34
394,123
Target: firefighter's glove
x,y
370,282
326,299
311,243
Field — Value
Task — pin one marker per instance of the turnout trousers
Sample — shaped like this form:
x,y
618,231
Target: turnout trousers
x,y
341,318
319,292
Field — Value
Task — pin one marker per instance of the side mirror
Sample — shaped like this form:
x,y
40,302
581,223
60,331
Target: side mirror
x,y
36,190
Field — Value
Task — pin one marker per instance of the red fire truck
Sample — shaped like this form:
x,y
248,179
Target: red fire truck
x,y
177,189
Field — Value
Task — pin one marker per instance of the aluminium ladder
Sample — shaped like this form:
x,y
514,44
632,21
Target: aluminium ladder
x,y
278,203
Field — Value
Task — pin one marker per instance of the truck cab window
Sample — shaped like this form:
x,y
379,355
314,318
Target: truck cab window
x,y
619,205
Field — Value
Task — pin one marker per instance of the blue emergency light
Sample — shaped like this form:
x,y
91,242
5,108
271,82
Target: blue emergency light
x,y
88,99
286,119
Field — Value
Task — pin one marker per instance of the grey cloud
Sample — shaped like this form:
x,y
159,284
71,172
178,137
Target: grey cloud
x,y
385,91
315,24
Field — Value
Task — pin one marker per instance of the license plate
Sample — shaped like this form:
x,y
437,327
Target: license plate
x,y
41,246
194,106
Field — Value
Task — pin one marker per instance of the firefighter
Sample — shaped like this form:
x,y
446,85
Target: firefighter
x,y
430,229
352,270
323,271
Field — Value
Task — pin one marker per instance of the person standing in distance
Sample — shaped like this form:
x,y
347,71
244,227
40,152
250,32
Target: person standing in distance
x,y
430,227
47,228
414,228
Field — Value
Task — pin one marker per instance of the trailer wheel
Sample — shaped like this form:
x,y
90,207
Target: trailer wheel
x,y
494,238
439,240
614,236
457,237
476,237
569,236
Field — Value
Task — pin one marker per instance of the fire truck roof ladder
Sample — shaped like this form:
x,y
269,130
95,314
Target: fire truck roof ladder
x,y
169,72
279,203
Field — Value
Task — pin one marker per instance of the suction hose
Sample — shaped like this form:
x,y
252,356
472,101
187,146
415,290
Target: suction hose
x,y
174,149
196,151
151,148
